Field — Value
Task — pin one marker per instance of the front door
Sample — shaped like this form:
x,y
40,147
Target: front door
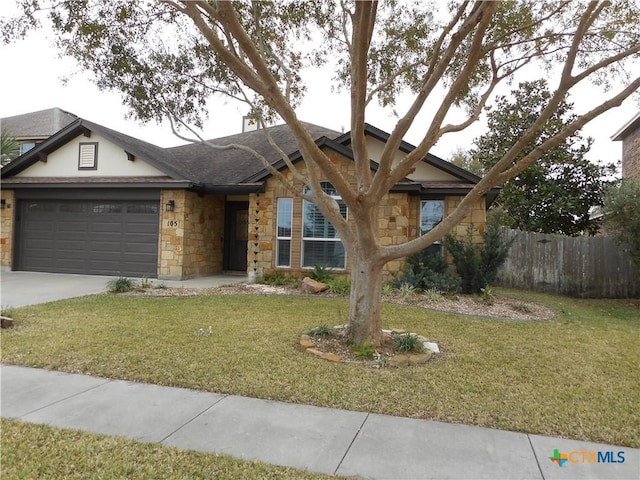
x,y
236,227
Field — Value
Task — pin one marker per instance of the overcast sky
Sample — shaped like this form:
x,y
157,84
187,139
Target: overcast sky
x,y
32,80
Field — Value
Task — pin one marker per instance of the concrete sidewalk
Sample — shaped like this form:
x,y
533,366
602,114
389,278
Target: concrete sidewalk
x,y
317,439
20,289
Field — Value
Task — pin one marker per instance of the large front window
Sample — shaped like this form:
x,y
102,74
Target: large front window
x,y
431,214
321,244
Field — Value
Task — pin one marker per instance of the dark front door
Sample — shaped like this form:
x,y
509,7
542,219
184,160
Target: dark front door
x,y
236,226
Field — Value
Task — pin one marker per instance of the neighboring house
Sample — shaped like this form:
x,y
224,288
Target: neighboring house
x,y
95,201
630,137
33,128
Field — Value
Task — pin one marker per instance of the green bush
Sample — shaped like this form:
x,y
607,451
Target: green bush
x,y
408,342
276,279
364,351
120,285
321,274
339,286
320,331
427,270
478,265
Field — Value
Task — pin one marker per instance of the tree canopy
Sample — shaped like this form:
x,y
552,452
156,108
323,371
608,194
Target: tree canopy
x,y
622,216
558,192
168,58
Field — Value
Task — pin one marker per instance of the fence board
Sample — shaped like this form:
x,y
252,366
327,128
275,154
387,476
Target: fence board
x,y
592,267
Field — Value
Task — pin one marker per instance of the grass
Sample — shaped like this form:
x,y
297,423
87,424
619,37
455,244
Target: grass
x,y
39,451
574,376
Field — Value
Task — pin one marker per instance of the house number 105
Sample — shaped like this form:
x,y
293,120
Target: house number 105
x,y
172,223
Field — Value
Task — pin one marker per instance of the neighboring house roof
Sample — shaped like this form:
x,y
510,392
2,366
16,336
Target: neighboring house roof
x,y
629,127
37,125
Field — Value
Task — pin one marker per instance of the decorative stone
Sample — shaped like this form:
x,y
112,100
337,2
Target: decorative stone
x,y
304,336
306,343
311,286
6,322
398,331
399,361
332,357
431,346
420,358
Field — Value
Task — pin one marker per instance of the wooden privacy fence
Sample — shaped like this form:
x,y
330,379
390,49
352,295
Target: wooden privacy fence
x,y
593,267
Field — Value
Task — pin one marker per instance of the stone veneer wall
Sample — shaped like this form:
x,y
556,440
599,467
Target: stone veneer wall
x,y
191,237
631,155
6,230
399,219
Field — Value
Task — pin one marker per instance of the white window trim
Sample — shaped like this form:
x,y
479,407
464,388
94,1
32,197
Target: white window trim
x,y
278,238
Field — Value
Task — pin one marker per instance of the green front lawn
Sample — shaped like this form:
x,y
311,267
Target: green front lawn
x,y
39,451
574,376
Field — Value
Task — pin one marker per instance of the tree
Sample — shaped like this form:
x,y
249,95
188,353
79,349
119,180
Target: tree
x,y
557,193
622,216
169,57
9,148
465,159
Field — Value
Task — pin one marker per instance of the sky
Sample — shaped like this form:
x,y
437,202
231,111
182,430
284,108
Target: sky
x,y
35,82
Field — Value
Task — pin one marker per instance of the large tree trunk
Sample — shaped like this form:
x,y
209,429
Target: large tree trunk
x,y
365,322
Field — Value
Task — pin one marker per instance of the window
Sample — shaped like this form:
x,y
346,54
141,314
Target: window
x,y
26,146
431,214
88,156
321,244
283,234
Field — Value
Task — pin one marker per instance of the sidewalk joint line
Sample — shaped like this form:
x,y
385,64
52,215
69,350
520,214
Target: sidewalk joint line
x,y
192,419
335,472
535,456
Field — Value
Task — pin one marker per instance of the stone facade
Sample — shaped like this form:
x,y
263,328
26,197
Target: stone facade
x,y
631,154
398,223
6,229
191,236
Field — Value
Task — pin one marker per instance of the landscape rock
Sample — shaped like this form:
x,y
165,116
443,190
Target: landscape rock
x,y
332,357
399,361
420,358
431,346
311,286
305,343
6,322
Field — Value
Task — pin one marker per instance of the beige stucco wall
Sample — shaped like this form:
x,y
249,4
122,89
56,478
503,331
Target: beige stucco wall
x,y
112,162
398,222
191,237
7,216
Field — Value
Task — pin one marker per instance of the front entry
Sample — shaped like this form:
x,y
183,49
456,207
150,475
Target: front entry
x,y
236,235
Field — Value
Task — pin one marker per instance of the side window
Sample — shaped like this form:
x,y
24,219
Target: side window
x,y
283,234
431,214
88,156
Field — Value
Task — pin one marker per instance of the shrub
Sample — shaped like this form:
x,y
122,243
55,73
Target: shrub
x,y
622,217
432,295
407,342
120,285
339,286
406,290
426,270
478,265
321,274
320,331
364,351
276,279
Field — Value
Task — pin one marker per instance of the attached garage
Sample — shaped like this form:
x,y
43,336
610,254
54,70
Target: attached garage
x,y
88,236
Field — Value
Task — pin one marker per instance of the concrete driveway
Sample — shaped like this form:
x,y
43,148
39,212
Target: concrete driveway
x,y
29,288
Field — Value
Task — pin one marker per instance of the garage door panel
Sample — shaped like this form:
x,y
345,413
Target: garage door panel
x,y
91,237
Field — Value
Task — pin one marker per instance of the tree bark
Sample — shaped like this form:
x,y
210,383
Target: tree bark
x,y
365,320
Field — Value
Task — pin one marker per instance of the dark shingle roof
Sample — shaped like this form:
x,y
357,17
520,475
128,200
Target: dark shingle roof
x,y
41,124
208,165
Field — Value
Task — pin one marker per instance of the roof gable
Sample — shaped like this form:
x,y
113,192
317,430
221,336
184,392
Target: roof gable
x,y
37,125
82,131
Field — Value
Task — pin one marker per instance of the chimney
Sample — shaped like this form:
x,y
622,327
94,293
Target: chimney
x,y
249,124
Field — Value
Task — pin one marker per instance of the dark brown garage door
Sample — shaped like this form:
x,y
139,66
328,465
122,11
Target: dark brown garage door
x,y
91,237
